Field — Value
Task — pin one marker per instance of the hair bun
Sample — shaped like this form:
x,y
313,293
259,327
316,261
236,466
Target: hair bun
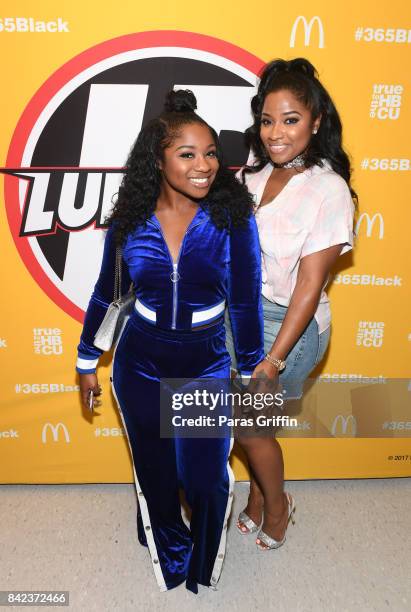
x,y
279,67
302,65
180,101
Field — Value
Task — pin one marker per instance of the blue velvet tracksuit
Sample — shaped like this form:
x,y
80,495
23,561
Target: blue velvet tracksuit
x,y
215,268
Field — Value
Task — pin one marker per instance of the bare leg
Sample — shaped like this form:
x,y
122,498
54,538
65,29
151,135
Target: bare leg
x,y
266,463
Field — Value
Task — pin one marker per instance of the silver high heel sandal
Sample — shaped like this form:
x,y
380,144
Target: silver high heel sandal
x,y
247,522
268,541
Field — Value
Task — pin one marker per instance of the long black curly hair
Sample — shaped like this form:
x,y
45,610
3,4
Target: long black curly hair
x,y
228,201
300,77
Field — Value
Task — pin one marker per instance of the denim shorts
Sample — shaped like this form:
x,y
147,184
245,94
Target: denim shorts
x,y
303,357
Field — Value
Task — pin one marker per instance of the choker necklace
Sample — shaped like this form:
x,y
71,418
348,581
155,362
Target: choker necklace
x,y
297,162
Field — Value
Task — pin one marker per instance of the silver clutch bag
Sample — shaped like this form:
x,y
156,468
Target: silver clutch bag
x,y
117,313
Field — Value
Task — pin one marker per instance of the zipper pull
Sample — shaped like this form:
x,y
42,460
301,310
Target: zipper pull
x,y
175,276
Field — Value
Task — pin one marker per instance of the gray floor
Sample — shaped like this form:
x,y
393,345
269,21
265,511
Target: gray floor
x,y
349,550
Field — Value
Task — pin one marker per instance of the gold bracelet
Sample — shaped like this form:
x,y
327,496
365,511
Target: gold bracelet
x,y
278,363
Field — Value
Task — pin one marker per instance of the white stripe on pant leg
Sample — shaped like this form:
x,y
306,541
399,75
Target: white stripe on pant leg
x,y
145,515
218,564
142,501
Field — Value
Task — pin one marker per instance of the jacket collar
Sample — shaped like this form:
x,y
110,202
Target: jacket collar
x,y
201,215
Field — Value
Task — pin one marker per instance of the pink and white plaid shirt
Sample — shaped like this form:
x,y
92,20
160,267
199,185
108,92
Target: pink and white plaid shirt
x,y
313,211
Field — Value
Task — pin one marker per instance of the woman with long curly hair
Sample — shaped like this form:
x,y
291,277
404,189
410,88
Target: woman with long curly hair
x,y
300,182
189,244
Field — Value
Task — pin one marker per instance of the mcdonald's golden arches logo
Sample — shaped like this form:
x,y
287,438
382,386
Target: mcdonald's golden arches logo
x,y
308,26
345,421
55,432
370,221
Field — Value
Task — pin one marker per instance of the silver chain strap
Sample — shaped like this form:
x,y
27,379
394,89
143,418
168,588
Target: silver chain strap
x,y
117,274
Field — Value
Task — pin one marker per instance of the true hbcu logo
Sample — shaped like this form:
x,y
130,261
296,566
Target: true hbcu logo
x,y
67,154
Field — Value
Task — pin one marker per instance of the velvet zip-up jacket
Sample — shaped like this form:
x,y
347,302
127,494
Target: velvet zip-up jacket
x,y
215,268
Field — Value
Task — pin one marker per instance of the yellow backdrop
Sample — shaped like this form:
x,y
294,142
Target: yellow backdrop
x,y
361,52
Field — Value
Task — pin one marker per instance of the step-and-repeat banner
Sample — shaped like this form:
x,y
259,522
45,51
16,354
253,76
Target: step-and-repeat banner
x,y
78,84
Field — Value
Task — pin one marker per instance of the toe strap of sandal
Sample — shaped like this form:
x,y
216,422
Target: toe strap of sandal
x,y
268,541
247,522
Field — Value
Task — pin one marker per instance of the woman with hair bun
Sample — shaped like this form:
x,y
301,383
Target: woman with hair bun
x,y
189,244
300,182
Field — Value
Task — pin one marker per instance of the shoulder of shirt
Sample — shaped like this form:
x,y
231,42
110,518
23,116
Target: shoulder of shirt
x,y
326,181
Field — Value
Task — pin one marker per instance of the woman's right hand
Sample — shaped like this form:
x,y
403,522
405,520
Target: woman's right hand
x,y
87,382
264,378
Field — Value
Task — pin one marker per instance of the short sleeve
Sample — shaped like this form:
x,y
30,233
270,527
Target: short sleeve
x,y
334,221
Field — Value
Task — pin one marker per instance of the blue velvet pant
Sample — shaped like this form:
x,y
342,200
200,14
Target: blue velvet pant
x,y
144,355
